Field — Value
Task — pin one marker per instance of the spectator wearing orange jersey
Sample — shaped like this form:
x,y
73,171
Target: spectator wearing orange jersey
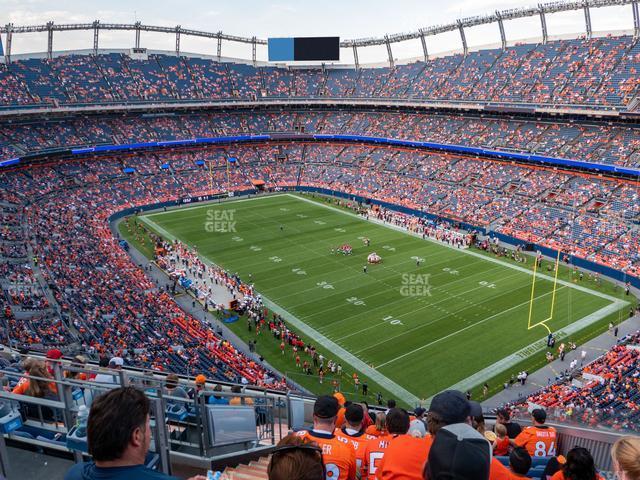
x,y
338,454
79,361
353,432
32,364
380,427
373,454
405,455
23,383
539,439
341,402
501,443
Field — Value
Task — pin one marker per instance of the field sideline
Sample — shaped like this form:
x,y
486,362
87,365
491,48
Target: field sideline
x,y
468,323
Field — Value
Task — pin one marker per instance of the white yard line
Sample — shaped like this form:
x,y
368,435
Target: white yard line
x,y
158,228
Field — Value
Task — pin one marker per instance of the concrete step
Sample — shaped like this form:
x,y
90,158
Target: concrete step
x,y
255,470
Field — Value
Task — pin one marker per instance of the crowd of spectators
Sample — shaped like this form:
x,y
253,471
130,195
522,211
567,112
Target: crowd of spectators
x,y
607,144
586,71
601,393
113,307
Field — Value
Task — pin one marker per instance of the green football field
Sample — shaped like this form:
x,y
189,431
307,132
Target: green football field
x,y
456,318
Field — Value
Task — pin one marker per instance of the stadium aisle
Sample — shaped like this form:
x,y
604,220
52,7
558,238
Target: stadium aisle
x,y
547,375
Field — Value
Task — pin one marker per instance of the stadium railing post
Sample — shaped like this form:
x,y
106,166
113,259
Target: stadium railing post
x,y
161,437
203,433
64,393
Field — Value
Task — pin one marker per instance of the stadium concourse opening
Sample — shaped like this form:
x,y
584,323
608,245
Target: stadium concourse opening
x,y
216,267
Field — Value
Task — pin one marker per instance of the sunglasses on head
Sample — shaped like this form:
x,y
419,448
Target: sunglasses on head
x,y
305,447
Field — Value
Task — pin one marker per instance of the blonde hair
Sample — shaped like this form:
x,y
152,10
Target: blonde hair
x,y
626,453
381,421
501,430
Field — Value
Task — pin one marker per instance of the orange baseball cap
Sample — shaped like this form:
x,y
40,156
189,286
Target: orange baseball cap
x,y
201,379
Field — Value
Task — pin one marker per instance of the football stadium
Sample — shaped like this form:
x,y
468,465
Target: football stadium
x,y
314,249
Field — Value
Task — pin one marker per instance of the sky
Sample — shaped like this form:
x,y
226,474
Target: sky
x,y
347,19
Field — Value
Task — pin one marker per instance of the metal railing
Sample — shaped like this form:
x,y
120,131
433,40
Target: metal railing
x,y
195,429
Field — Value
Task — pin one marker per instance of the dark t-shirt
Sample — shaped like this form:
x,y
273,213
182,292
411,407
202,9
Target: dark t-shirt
x,y
513,429
89,471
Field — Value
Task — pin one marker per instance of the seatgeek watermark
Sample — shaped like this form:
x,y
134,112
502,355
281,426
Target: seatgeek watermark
x,y
220,221
415,285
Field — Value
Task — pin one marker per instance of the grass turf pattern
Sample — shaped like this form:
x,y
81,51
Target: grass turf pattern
x,y
424,326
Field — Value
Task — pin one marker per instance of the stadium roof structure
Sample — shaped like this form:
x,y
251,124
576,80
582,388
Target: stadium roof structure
x,y
460,25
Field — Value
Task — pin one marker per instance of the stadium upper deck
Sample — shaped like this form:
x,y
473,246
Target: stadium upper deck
x,y
588,72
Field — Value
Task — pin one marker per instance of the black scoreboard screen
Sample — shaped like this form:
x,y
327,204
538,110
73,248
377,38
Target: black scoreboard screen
x,y
304,49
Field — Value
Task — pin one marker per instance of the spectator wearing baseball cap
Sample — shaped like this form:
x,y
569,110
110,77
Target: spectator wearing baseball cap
x,y
459,452
353,432
451,407
79,361
539,439
200,382
354,414
115,363
447,408
53,356
477,417
339,455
